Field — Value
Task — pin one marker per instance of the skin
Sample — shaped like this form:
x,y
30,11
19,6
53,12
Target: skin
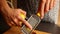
x,y
12,15
45,6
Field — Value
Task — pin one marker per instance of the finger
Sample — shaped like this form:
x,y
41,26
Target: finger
x,y
25,22
54,3
12,23
24,12
42,8
9,24
47,6
51,4
21,11
15,21
8,21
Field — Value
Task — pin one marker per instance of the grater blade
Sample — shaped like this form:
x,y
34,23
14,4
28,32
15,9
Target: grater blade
x,y
34,20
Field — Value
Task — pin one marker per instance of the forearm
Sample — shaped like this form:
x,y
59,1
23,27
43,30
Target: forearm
x,y
5,5
5,9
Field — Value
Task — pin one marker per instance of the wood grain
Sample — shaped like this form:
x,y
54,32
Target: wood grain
x,y
16,30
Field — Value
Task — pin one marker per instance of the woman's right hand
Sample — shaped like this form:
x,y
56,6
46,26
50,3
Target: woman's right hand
x,y
13,18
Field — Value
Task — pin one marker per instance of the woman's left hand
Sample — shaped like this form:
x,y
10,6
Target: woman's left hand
x,y
45,6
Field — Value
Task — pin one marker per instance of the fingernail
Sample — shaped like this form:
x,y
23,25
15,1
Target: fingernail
x,y
31,27
41,17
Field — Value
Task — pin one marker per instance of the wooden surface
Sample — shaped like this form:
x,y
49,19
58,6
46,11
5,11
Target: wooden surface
x,y
16,30
43,28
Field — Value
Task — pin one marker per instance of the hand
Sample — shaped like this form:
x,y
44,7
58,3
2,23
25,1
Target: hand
x,y
13,18
45,6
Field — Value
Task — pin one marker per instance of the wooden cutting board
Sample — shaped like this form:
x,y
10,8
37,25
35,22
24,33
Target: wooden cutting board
x,y
16,30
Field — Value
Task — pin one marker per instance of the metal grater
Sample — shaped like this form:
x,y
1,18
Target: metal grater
x,y
34,20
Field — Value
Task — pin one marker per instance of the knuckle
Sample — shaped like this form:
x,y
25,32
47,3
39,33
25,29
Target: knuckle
x,y
47,10
25,12
50,8
43,1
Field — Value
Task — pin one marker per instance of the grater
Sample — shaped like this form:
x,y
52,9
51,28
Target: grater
x,y
34,16
34,20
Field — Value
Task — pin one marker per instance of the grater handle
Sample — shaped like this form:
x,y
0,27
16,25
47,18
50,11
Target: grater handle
x,y
38,14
